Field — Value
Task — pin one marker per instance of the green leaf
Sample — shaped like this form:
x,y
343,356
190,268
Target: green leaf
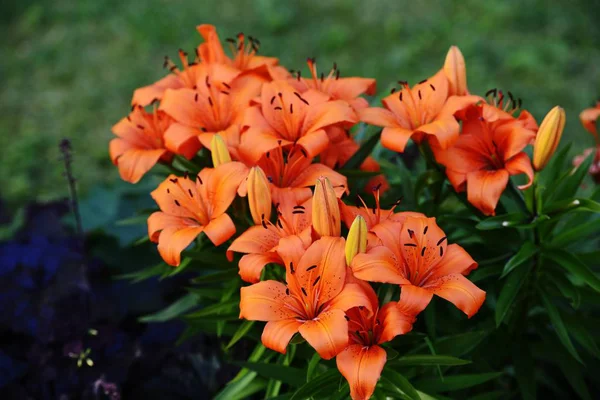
x,y
240,333
401,383
214,277
484,272
502,221
215,309
572,236
527,251
582,335
565,206
312,366
154,270
566,186
427,360
566,288
524,369
456,382
572,264
570,368
183,305
557,165
317,384
460,344
288,375
234,388
509,292
559,326
365,150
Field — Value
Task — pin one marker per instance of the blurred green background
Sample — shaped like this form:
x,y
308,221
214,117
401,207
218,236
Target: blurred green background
x,y
69,68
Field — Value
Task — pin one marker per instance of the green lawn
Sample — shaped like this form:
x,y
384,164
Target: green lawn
x,y
68,68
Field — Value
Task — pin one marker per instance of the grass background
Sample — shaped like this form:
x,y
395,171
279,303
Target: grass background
x,y
68,68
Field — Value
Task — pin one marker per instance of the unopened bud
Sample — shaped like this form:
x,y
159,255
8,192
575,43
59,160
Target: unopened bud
x,y
326,218
456,71
357,239
218,148
548,137
259,195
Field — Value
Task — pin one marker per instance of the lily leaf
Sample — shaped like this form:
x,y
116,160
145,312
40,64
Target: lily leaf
x,y
365,149
572,264
509,292
289,375
559,326
527,251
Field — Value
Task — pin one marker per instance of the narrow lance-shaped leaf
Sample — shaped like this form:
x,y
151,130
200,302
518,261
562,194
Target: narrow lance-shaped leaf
x,y
525,253
572,264
559,326
509,292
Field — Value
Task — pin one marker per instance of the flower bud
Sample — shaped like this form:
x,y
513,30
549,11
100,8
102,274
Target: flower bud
x,y
548,137
220,154
326,218
259,195
357,238
456,71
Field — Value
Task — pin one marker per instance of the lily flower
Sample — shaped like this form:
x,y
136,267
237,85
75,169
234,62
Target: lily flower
x,y
244,50
260,242
140,143
374,216
311,302
415,255
456,71
189,208
588,118
415,113
485,155
292,174
346,89
287,118
214,106
363,360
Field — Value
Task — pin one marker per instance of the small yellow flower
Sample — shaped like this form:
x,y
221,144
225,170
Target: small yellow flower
x,y
326,218
220,154
548,137
259,195
357,238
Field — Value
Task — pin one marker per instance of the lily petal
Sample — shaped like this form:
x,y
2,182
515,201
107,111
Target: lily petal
x,y
173,240
264,301
327,334
252,265
484,189
220,229
277,334
379,264
361,366
395,321
413,299
134,163
459,291
520,164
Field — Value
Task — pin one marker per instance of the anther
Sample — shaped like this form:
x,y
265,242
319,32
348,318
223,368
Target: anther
x,y
287,291
420,98
177,203
441,240
423,81
347,318
291,108
410,245
400,96
278,108
273,99
432,87
292,267
190,192
441,251
140,127
304,292
174,180
316,280
196,97
423,251
311,268
298,212
210,101
226,85
206,82
411,233
264,224
393,90
425,230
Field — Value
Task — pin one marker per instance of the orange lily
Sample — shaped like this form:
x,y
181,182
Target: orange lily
x,y
416,256
415,113
188,77
286,118
456,71
292,173
374,215
140,143
260,242
588,118
244,50
215,105
312,302
485,155
189,208
346,89
595,167
363,360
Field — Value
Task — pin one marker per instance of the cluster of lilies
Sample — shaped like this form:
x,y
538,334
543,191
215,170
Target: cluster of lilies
x,y
273,134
